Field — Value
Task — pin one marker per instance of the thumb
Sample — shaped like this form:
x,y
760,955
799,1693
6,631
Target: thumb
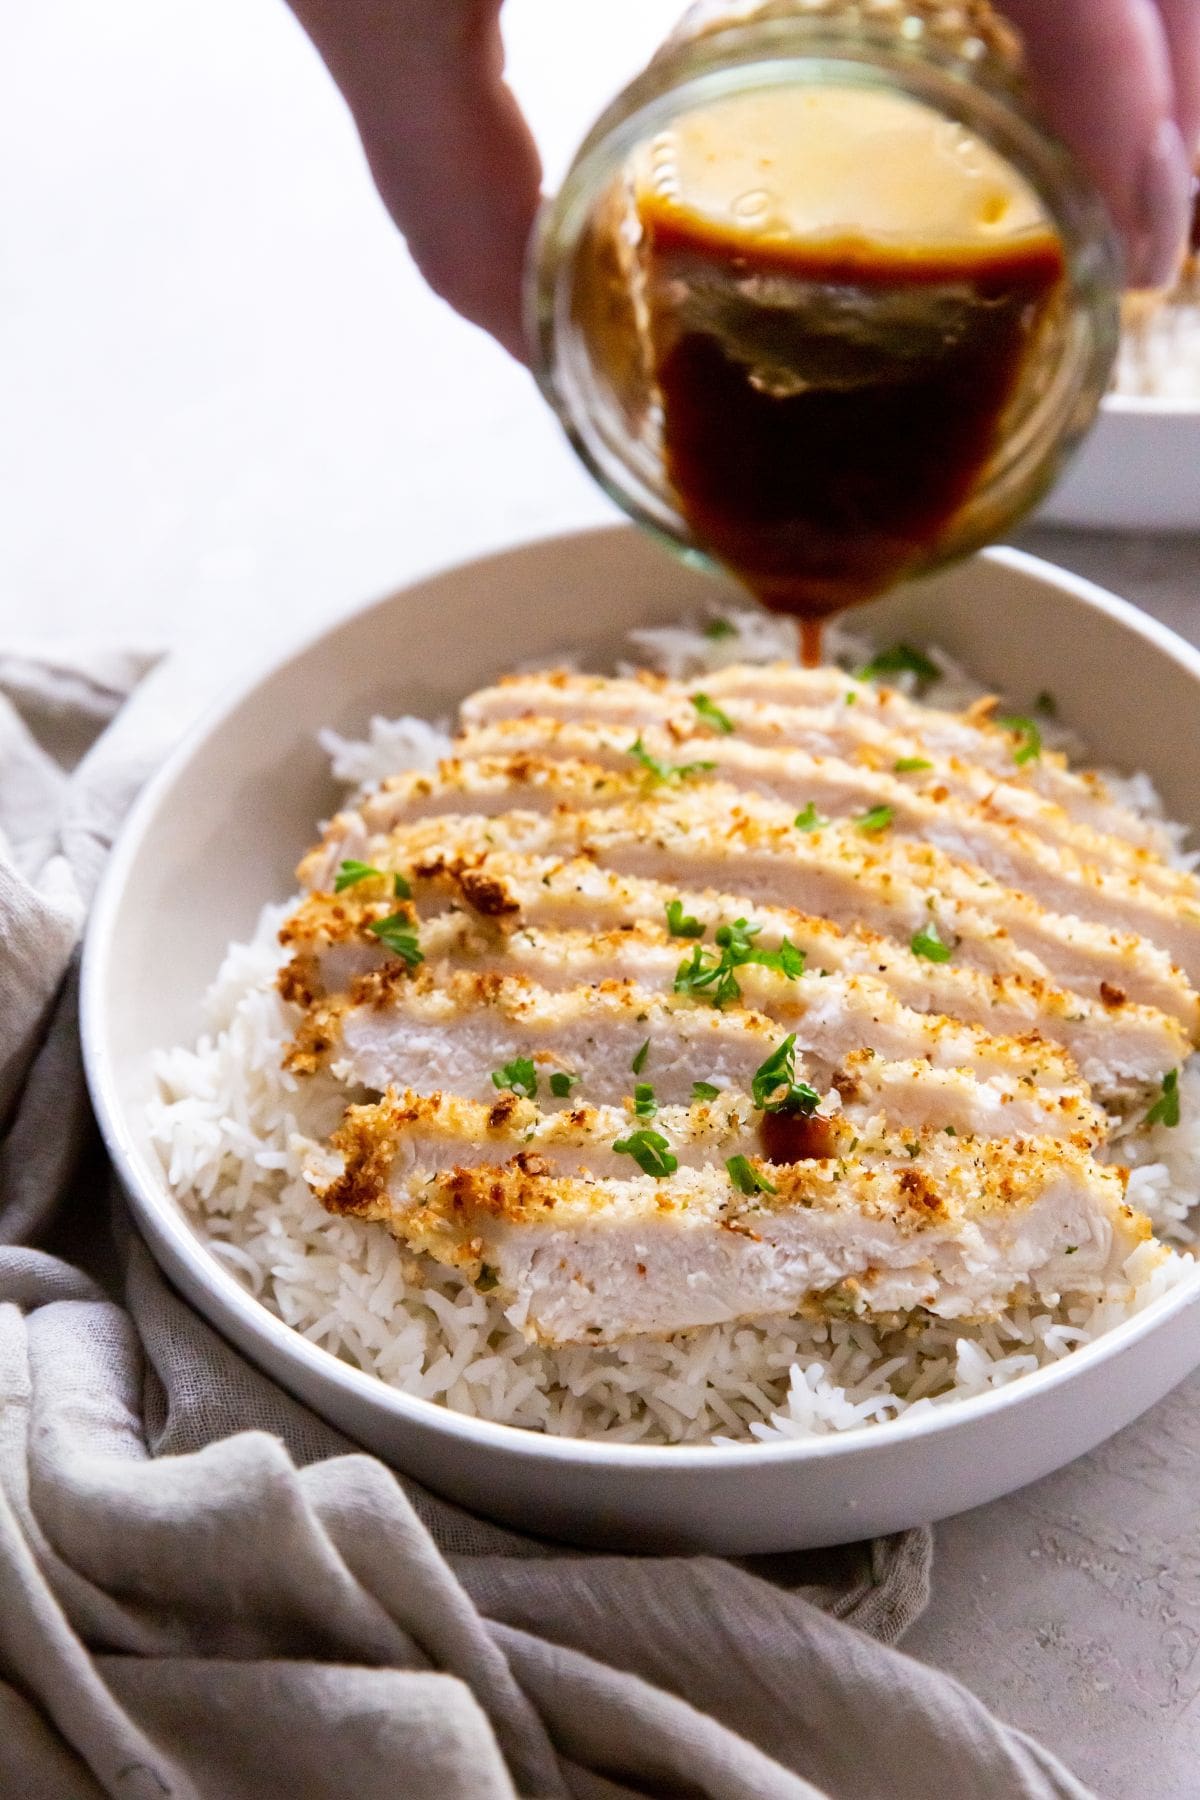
x,y
452,156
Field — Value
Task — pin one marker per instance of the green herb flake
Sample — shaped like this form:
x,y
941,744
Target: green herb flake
x,y
716,629
810,819
1165,1110
400,888
644,1103
1046,704
704,1090
901,659
875,821
561,1083
650,1151
397,935
639,1061
519,1075
487,1279
706,975
711,713
746,1178
774,1087
1028,746
1071,1250
931,945
909,765
681,924
351,873
665,772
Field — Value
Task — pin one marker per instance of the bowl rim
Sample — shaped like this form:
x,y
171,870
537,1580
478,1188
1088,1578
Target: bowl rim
x,y
1150,406
166,1228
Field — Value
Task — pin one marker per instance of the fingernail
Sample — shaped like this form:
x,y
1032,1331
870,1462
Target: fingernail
x,y
1163,204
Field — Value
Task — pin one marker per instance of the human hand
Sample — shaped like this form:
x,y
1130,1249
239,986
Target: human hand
x,y
458,169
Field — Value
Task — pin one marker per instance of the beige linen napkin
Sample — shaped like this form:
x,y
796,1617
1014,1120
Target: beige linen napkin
x,y
206,1593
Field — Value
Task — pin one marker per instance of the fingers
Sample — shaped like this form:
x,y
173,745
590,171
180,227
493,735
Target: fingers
x,y
1102,72
1181,21
450,152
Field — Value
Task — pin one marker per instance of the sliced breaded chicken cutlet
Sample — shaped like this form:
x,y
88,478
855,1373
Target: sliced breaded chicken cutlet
x,y
592,1229
690,1005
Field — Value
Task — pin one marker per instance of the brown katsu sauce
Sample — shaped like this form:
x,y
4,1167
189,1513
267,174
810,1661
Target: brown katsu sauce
x,y
791,1137
828,410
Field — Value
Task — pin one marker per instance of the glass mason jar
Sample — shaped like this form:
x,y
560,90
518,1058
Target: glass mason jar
x,y
913,399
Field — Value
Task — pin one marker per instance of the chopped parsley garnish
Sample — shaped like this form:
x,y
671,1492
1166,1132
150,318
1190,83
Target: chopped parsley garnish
x,y
878,819
400,888
639,1061
1028,746
561,1083
931,945
704,1090
706,975
486,1279
650,1151
351,873
901,659
719,628
746,1178
1046,704
519,1075
681,924
810,819
662,771
775,1088
397,935
1070,1249
737,940
644,1103
711,713
1165,1110
908,765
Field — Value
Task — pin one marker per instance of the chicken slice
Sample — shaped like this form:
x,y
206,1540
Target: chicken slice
x,y
1011,832
457,1031
1055,879
1117,1044
808,707
532,1208
831,1014
713,837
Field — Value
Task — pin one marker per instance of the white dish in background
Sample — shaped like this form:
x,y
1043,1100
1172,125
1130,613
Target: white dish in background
x,y
219,830
1138,470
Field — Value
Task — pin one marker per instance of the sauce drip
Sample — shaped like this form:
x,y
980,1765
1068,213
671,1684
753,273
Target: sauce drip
x,y
791,1137
819,463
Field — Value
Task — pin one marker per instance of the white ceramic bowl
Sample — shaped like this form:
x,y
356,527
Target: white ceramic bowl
x,y
1137,470
219,830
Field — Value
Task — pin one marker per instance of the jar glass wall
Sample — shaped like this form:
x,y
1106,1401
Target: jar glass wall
x,y
890,148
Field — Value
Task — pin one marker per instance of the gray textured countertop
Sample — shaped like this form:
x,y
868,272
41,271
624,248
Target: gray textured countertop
x,y
232,410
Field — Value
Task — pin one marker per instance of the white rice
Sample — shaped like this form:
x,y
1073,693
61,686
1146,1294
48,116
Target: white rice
x,y
233,1129
1159,355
